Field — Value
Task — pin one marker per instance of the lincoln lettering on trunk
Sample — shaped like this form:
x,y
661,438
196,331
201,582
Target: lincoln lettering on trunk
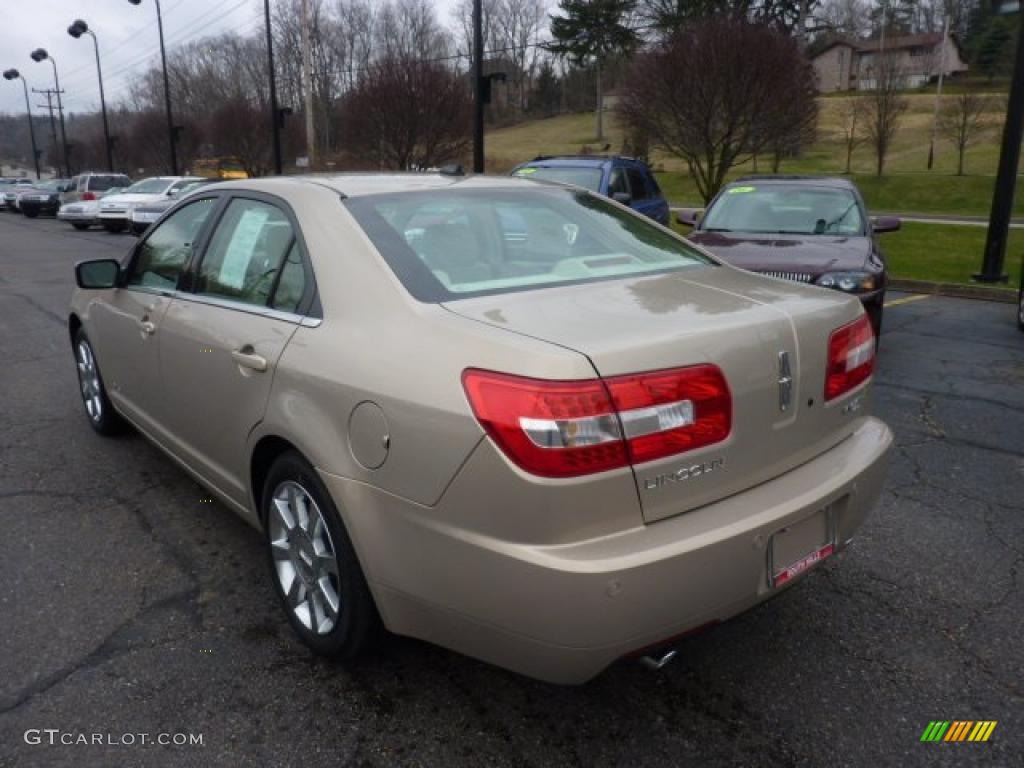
x,y
684,473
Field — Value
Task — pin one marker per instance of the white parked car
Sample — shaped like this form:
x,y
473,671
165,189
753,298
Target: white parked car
x,y
84,213
116,211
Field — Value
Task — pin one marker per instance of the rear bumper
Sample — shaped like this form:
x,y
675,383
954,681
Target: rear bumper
x,y
563,613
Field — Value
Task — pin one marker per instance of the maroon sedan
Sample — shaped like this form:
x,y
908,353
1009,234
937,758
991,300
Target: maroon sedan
x,y
807,229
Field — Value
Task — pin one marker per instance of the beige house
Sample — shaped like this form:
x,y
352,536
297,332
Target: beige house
x,y
846,65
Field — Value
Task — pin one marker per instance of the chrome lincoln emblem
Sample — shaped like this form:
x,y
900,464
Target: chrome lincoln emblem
x,y
785,381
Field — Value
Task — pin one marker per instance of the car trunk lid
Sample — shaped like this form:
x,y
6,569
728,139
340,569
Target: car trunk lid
x,y
743,324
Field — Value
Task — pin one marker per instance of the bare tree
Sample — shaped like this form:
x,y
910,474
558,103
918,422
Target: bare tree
x,y
963,119
408,113
883,107
751,89
852,117
845,17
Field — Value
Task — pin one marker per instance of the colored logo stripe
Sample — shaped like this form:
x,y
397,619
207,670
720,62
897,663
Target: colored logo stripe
x,y
958,730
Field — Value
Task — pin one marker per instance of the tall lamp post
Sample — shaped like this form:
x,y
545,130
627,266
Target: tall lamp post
x,y
478,88
276,116
76,30
167,88
13,74
40,54
1006,175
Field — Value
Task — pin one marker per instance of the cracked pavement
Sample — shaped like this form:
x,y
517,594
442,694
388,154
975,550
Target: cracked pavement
x,y
128,605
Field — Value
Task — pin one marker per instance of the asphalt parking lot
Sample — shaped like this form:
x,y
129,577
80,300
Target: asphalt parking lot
x,y
130,604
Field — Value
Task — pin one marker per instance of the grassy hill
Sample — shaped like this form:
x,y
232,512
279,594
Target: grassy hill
x,y
907,186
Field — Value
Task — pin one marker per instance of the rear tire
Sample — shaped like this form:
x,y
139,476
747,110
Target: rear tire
x,y
313,565
30,212
101,414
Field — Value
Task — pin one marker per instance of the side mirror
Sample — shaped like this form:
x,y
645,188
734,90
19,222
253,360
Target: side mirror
x,y
622,197
689,217
97,274
885,224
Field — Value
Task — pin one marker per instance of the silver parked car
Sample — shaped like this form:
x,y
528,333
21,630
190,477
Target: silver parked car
x,y
84,213
512,418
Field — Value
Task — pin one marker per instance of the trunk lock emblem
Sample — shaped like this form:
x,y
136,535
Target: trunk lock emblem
x,y
785,381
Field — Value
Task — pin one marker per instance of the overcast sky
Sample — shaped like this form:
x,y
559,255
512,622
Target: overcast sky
x,y
127,36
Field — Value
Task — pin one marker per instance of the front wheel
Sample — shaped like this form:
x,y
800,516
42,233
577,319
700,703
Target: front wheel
x,y
113,226
314,567
102,416
80,225
30,212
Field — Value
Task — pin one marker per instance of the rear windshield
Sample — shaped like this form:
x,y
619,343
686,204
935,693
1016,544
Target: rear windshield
x,y
103,183
153,186
453,244
785,209
588,178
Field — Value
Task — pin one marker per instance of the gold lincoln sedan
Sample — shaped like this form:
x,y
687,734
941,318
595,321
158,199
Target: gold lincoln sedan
x,y
509,417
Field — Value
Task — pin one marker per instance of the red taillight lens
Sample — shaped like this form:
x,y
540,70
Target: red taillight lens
x,y
88,195
571,428
668,412
549,428
851,357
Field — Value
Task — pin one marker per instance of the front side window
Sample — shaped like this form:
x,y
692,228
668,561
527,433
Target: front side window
x,y
637,184
617,183
785,209
455,243
246,252
162,256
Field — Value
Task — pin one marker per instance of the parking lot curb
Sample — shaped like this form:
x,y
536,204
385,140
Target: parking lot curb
x,y
956,290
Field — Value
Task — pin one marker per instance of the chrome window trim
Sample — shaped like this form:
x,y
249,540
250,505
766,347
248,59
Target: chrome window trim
x,y
250,309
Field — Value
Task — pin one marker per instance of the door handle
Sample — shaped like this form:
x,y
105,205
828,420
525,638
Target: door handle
x,y
147,327
246,358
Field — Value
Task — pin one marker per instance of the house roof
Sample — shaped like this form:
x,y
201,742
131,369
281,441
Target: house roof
x,y
905,41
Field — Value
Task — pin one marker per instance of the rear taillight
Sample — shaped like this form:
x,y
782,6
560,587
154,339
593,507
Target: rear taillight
x,y
672,411
88,195
851,357
571,428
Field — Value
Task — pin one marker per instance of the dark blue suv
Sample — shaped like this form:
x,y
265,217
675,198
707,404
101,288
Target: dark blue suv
x,y
624,179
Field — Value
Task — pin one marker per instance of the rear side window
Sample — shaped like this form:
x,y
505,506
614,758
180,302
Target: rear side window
x,y
101,183
449,244
246,252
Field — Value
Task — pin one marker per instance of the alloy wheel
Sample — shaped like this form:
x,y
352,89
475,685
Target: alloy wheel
x,y
304,558
89,381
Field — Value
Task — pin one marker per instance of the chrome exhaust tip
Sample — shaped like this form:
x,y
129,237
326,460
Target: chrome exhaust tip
x,y
658,661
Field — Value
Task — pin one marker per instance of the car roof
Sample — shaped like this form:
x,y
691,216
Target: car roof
x,y
817,181
361,184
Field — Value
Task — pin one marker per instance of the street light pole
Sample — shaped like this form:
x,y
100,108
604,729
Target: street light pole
x,y
76,30
13,74
275,116
1006,176
478,88
167,88
40,54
